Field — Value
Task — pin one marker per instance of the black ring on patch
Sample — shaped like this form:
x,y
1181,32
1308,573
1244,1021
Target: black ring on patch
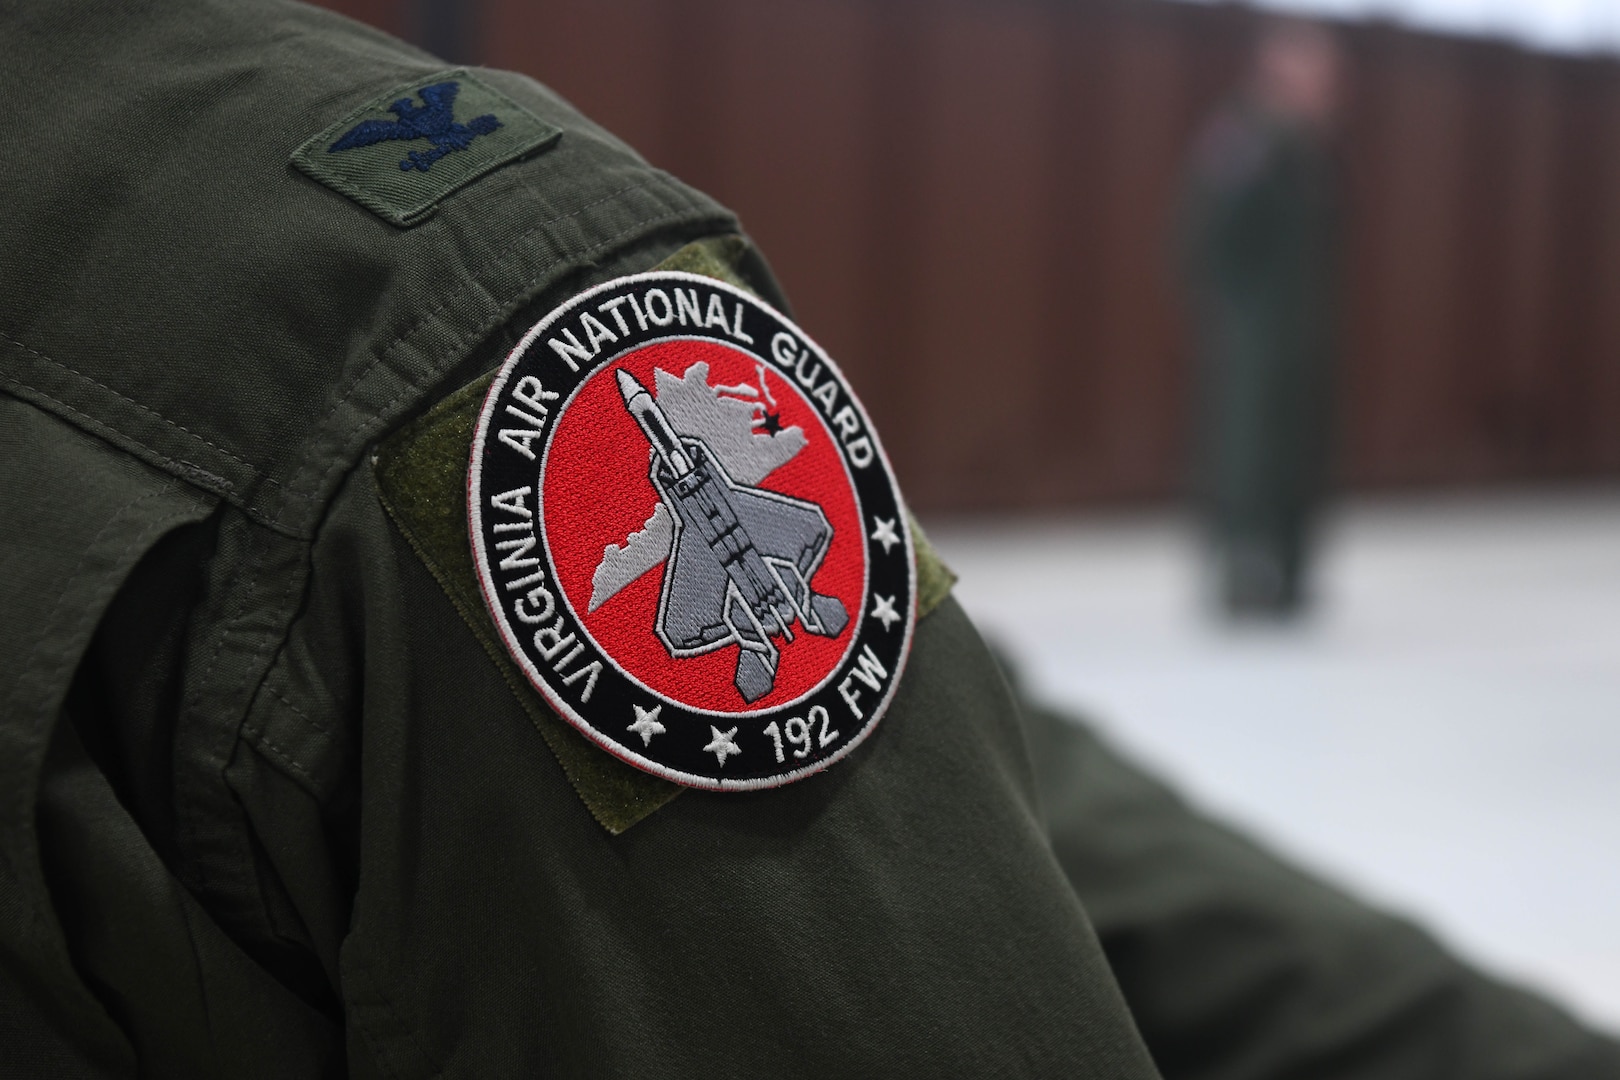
x,y
689,536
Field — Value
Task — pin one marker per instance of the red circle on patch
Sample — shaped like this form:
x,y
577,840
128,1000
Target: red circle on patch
x,y
597,492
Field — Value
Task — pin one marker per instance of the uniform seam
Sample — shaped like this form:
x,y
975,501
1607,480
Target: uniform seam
x,y
227,726
125,397
263,742
230,631
179,467
324,729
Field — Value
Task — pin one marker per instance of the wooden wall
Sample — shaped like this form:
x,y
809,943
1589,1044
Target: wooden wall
x,y
969,202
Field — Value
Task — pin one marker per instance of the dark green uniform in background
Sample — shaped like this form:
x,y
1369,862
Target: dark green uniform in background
x,y
1260,236
271,806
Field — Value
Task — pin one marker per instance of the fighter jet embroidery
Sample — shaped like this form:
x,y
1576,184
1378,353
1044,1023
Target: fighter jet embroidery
x,y
433,120
740,558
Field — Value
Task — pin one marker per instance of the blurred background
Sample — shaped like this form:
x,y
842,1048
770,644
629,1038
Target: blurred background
x,y
992,214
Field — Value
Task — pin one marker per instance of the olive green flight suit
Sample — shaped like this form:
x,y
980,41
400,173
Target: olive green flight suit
x,y
271,805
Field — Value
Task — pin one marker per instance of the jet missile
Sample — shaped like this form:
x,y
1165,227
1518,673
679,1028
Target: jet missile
x,y
654,424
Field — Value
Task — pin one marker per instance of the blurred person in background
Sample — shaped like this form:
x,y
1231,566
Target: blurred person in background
x,y
1261,254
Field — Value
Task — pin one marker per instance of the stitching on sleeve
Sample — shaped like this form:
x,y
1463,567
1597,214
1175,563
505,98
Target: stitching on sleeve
x,y
180,469
125,397
324,729
192,815
259,739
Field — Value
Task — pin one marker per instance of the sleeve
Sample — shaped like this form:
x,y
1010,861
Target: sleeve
x,y
484,893
1238,966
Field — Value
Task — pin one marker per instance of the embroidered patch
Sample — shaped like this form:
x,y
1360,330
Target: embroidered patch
x,y
688,535
402,153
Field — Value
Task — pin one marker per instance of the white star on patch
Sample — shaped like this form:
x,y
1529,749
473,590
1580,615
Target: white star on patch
x,y
883,611
723,745
647,724
885,533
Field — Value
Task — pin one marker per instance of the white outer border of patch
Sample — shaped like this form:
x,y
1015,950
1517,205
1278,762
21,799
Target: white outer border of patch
x,y
487,586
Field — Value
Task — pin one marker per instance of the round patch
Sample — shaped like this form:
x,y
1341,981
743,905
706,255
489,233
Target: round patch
x,y
688,534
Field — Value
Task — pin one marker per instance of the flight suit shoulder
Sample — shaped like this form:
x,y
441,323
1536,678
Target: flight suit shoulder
x,y
182,281
421,480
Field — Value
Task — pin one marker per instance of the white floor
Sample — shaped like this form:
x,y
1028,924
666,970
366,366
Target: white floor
x,y
1443,736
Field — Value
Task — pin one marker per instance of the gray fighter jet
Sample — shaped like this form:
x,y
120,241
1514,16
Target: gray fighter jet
x,y
741,558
